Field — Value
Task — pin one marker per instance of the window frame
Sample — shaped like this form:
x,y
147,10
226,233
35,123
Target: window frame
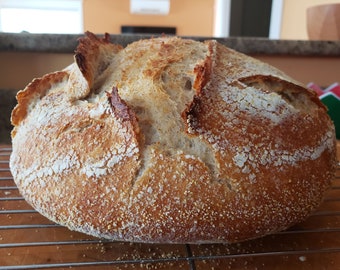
x,y
67,5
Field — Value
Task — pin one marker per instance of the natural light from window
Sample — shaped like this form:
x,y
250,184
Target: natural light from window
x,y
48,16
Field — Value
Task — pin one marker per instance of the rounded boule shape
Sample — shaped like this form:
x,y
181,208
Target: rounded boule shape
x,y
171,140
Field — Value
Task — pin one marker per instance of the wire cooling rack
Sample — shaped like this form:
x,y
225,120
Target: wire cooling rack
x,y
30,241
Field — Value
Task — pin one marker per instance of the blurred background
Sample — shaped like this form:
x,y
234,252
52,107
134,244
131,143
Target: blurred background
x,y
276,19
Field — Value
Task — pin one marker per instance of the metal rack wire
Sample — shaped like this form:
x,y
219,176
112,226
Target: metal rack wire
x,y
30,241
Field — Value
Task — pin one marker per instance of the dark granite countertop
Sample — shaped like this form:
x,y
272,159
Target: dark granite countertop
x,y
66,43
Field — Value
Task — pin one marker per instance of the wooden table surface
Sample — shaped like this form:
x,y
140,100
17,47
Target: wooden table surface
x,y
30,241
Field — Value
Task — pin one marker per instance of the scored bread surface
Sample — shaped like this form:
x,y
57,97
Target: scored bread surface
x,y
171,140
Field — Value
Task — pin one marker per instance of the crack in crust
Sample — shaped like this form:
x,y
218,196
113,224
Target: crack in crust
x,y
92,57
119,107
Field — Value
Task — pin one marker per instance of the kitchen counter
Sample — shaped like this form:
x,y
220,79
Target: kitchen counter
x,y
66,43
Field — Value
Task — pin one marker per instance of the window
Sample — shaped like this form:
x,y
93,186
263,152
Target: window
x,y
41,16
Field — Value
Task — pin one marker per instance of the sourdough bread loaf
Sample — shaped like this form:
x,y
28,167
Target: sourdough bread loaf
x,y
171,140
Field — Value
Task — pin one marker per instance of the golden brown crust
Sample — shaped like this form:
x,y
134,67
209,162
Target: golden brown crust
x,y
35,90
171,140
93,55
